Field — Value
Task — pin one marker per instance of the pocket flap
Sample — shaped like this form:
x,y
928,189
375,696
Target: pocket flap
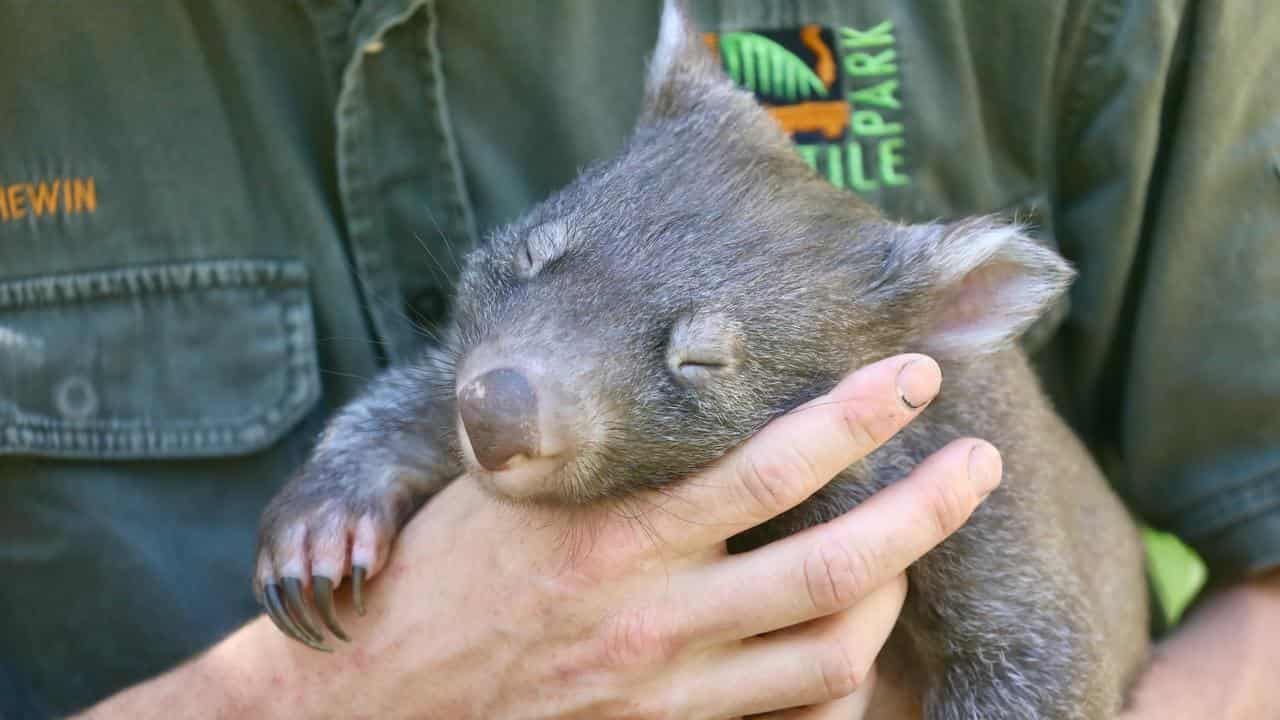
x,y
193,359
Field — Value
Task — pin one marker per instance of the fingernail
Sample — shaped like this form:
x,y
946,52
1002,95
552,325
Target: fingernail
x,y
918,382
985,468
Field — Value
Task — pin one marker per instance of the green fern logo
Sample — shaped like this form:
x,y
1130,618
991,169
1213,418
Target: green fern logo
x,y
763,66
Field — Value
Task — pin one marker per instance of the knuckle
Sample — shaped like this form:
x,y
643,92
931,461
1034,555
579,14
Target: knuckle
x,y
900,585
836,576
840,672
865,430
637,638
948,506
775,481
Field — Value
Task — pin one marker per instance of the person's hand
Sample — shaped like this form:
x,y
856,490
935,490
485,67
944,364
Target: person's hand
x,y
491,611
1220,663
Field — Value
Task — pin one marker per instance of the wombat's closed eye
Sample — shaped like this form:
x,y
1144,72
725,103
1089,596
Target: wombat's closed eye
x,y
540,246
703,347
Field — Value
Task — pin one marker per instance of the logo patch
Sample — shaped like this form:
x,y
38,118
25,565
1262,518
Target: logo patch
x,y
834,90
65,195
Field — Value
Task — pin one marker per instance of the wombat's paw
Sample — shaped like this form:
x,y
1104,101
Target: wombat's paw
x,y
309,541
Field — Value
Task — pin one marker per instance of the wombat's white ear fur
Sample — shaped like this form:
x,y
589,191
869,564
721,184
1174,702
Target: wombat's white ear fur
x,y
983,281
682,68
675,35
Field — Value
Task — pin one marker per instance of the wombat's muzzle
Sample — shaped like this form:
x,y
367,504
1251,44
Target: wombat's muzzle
x,y
521,419
499,410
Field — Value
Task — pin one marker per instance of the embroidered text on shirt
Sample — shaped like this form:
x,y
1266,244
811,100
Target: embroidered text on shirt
x,y
64,195
834,91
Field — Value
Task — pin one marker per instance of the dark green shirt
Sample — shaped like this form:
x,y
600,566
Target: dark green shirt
x,y
217,219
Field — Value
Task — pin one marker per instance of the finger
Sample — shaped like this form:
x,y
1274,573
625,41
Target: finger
x,y
853,707
369,544
290,551
322,589
794,455
810,664
829,567
329,548
298,608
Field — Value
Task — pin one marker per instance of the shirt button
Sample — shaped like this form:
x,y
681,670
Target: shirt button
x,y
76,398
373,47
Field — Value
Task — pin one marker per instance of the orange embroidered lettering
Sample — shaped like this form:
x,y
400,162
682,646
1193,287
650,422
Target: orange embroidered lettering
x,y
86,195
45,200
48,196
17,203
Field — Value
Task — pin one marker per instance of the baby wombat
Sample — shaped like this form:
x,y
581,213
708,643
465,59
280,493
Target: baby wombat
x,y
666,305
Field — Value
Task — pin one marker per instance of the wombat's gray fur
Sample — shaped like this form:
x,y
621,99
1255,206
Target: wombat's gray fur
x,y
675,300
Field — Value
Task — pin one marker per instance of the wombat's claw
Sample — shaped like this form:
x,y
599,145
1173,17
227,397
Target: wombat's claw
x,y
302,553
322,590
279,616
357,588
275,611
299,610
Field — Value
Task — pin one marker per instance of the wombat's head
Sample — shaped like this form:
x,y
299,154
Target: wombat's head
x,y
668,303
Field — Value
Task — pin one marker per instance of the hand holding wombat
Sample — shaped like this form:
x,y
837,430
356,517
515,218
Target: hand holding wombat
x,y
668,304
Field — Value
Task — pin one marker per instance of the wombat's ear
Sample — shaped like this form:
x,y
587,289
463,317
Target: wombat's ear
x,y
973,286
682,69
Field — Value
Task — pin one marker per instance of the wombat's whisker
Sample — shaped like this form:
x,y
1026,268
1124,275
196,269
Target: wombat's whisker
x,y
670,495
578,541
444,272
418,326
350,338
444,238
339,373
638,518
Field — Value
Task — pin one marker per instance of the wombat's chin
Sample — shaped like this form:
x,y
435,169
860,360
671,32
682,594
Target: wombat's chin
x,y
541,480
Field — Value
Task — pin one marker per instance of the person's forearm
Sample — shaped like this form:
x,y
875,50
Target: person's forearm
x,y
249,674
1221,663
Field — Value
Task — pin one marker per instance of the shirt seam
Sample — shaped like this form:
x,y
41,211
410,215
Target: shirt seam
x,y
1228,509
1101,26
451,160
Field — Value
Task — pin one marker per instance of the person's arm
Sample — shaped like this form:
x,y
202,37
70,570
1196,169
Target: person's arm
x,y
490,611
1169,203
240,677
1221,663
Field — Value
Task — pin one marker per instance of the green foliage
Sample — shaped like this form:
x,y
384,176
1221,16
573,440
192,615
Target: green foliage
x,y
761,65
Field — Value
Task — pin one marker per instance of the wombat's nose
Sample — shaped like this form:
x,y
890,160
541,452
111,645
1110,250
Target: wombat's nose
x,y
499,410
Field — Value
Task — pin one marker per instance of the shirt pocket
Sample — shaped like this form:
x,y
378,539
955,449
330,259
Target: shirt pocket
x,y
180,360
